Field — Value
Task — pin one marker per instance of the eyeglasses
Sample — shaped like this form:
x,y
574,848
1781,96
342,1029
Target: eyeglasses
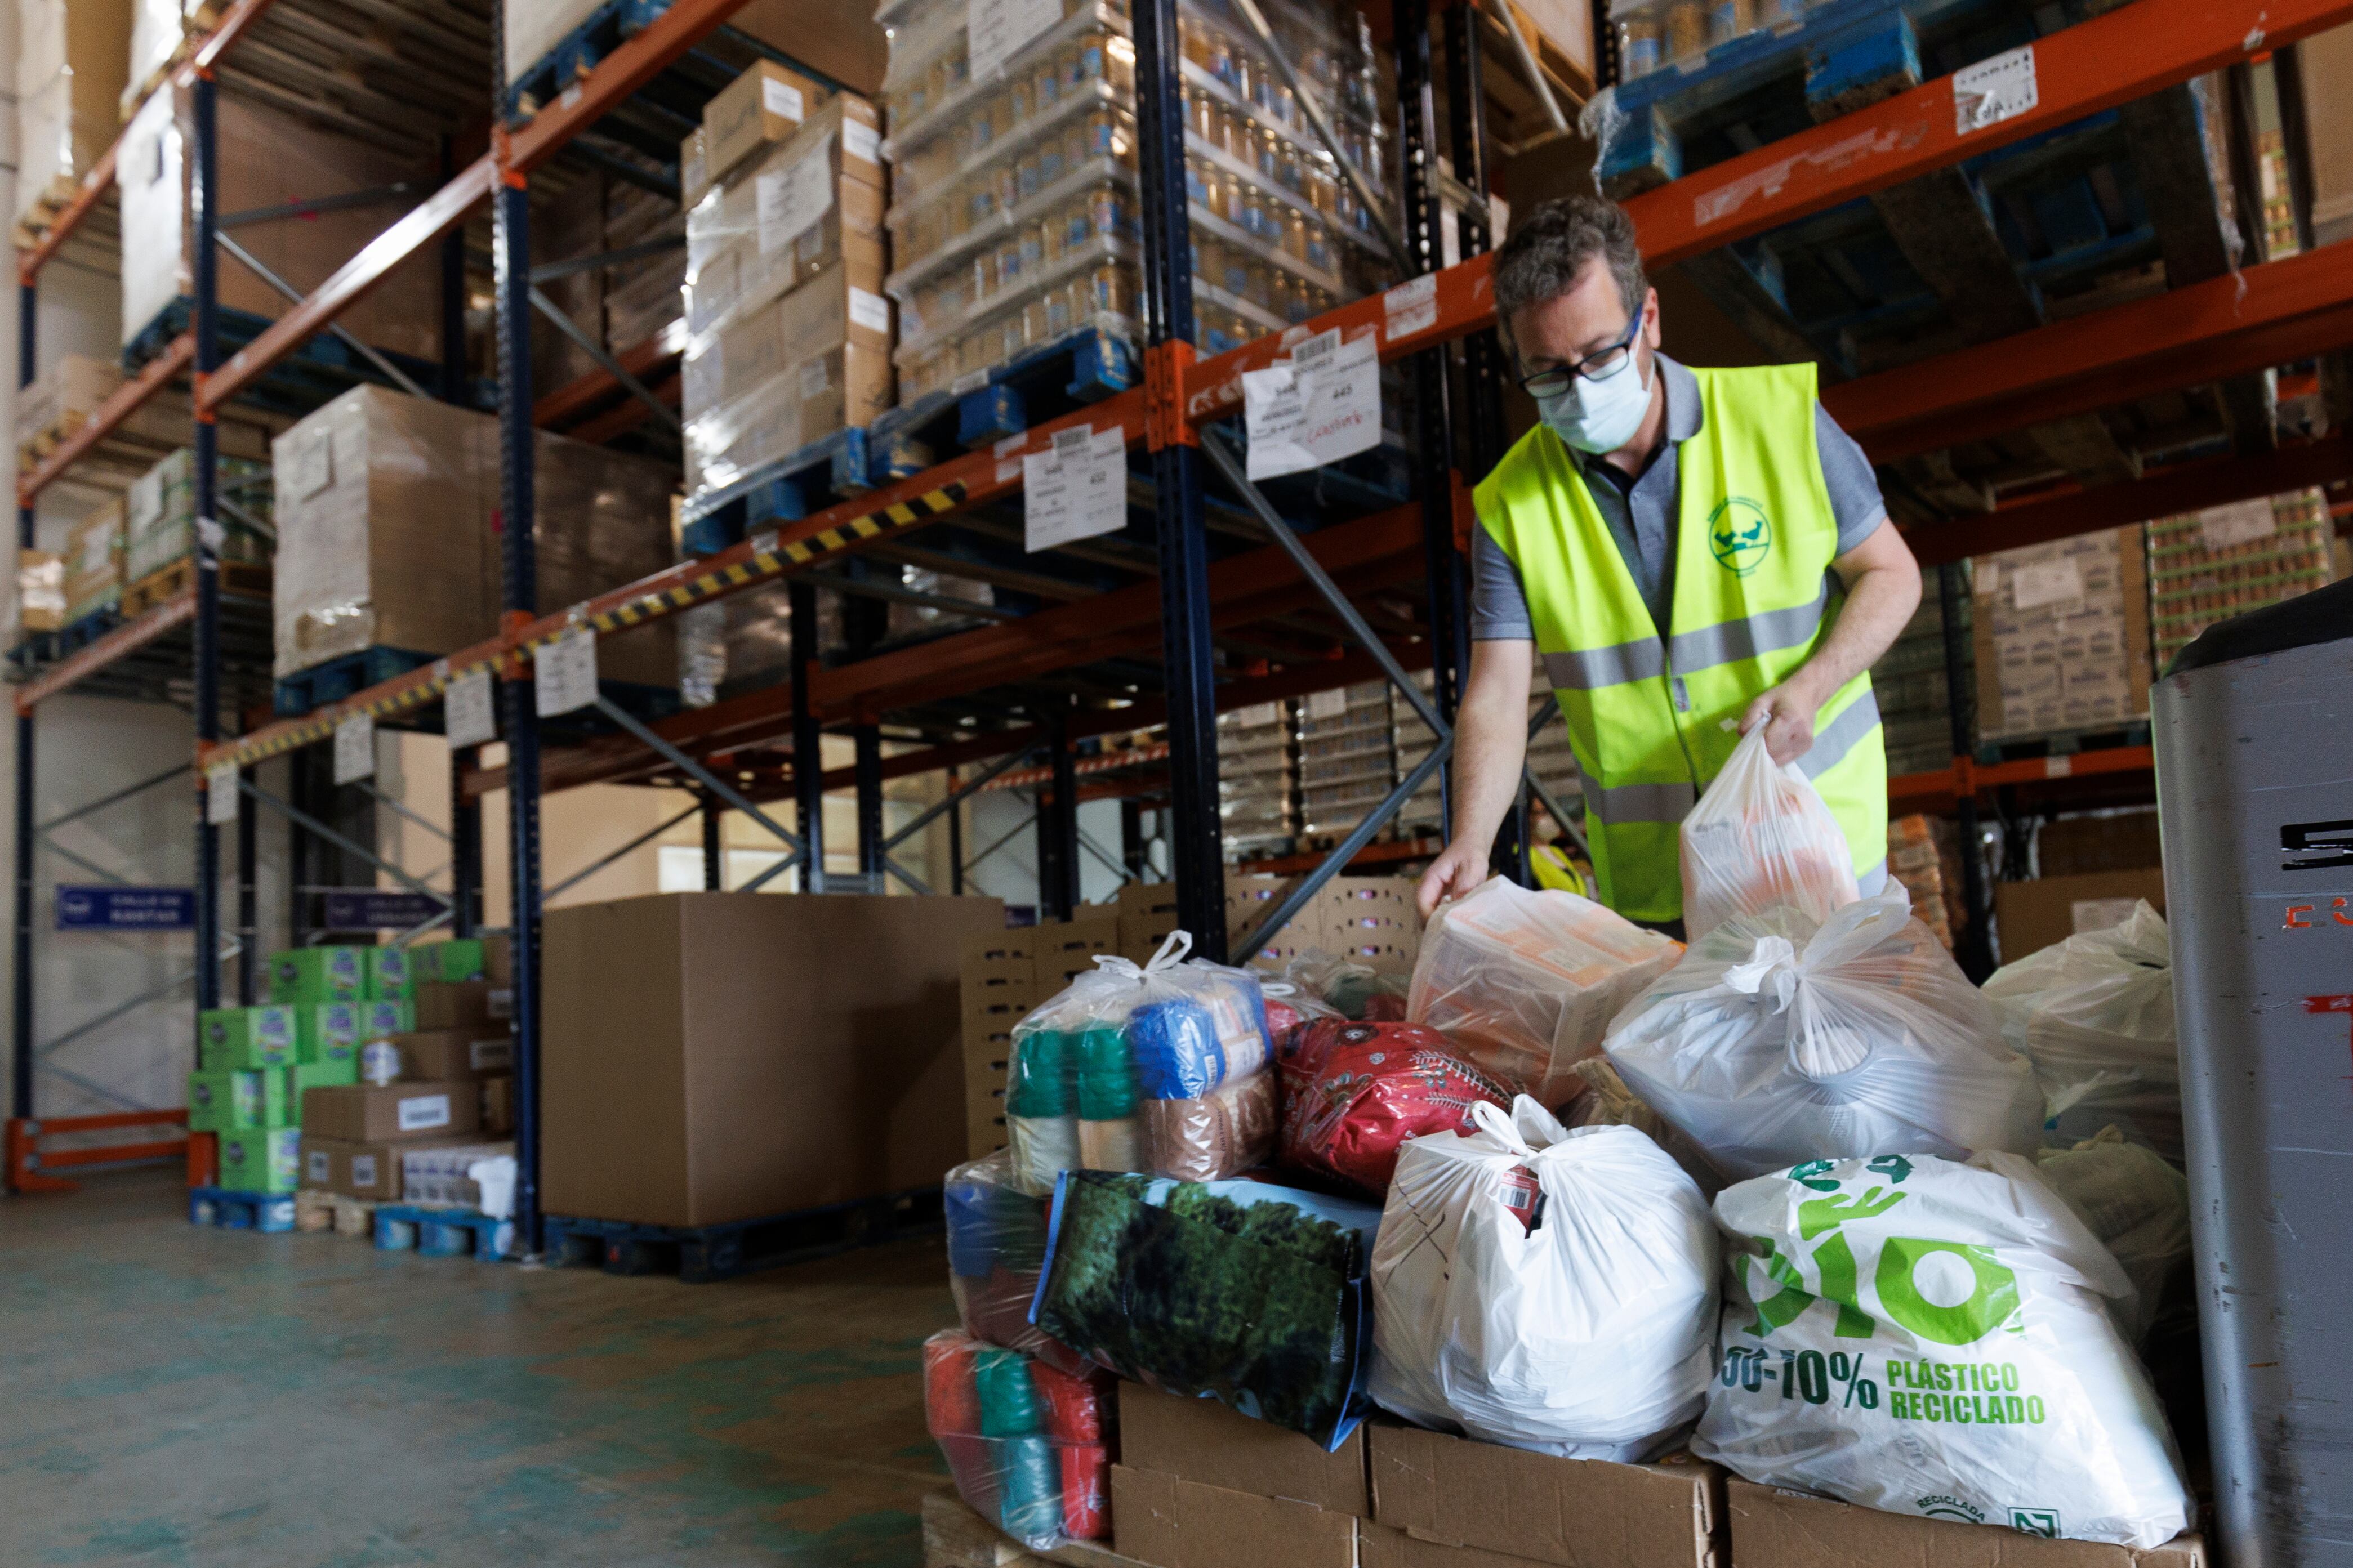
x,y
1599,365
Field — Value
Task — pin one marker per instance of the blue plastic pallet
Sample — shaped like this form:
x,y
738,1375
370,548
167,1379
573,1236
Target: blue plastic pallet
x,y
579,51
442,1233
1043,383
786,490
317,371
307,691
699,1254
268,1212
80,633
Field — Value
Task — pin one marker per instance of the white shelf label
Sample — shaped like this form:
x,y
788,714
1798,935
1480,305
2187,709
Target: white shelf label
x,y
1323,405
355,749
2241,522
782,97
1994,90
424,1111
1076,490
564,673
468,717
220,793
863,142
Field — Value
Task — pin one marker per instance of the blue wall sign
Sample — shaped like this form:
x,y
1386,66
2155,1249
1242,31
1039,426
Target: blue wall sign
x,y
366,908
101,907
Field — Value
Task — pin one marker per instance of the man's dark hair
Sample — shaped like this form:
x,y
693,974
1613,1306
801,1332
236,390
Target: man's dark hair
x,y
1550,245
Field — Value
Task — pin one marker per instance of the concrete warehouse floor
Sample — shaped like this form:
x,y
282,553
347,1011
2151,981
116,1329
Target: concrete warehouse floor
x,y
176,1395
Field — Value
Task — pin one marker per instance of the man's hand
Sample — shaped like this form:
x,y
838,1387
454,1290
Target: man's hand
x,y
1460,867
1786,712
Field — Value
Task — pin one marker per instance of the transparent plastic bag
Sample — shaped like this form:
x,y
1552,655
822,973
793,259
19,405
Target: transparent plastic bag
x,y
997,1249
1932,1338
1761,836
1547,1288
1352,1093
1159,1067
1525,982
1029,1446
2094,1015
2135,1204
1779,1039
1350,988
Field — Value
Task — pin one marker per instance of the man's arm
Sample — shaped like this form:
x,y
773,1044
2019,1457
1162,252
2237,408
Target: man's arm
x,y
1490,742
1883,589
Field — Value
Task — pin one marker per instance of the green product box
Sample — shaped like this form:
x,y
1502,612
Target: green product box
x,y
263,1161
318,975
211,1102
455,962
302,1076
246,1038
331,1031
257,1100
380,1019
391,973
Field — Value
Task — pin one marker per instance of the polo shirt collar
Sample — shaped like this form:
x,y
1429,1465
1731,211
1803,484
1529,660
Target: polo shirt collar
x,y
1684,415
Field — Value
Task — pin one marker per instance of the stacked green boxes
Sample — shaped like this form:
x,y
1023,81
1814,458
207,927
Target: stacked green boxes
x,y
265,1161
391,973
248,1038
386,1017
256,1062
458,961
318,975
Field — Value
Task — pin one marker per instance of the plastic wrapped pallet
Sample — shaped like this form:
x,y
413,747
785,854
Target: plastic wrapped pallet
x,y
384,506
62,401
159,521
41,591
1160,1067
1354,1094
267,159
2094,1015
1931,1338
94,561
997,1250
1028,1445
1779,1038
71,56
1525,982
1549,1290
2207,566
160,30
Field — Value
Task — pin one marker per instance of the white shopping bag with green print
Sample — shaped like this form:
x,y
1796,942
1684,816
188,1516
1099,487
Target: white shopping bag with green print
x,y
1930,1338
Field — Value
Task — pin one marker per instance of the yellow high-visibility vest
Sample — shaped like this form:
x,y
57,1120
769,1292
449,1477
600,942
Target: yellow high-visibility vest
x,y
1753,597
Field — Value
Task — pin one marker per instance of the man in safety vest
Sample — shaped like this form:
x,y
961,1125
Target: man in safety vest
x,y
1692,552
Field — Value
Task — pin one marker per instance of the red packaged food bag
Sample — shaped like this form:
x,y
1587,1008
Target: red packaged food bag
x,y
1027,1443
1086,1492
1353,1092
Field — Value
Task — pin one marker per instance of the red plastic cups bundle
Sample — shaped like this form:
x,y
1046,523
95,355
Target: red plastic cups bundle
x,y
1028,1446
1353,1092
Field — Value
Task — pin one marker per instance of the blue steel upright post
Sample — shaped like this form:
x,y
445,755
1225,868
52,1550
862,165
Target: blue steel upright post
x,y
1197,841
204,192
511,248
809,735
20,1053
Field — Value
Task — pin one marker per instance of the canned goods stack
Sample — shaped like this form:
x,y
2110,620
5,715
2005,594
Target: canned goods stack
x,y
2207,566
1016,218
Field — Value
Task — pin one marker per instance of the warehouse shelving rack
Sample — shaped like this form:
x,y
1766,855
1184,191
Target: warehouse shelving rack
x,y
2274,312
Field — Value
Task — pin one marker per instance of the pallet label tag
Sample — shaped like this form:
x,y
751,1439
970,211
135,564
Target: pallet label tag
x,y
783,99
1994,90
467,716
220,793
1077,490
1323,405
355,749
564,673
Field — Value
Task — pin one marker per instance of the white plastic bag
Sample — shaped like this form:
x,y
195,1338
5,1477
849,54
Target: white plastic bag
x,y
1777,1039
2094,1015
2135,1204
1525,982
1583,1328
1761,836
1930,1338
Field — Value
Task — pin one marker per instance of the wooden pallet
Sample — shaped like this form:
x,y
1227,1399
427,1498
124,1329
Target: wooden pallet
x,y
956,1537
243,578
316,1213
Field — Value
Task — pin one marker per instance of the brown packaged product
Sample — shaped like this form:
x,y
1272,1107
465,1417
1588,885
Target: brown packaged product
x,y
368,1113
498,1104
1222,1135
767,103
465,1005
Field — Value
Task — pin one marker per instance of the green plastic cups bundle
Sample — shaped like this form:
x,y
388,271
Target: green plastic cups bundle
x,y
1931,1338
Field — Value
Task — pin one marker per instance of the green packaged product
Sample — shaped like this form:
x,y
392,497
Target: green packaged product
x,y
382,1018
1047,1081
248,1038
257,1100
261,1162
457,962
211,1105
1106,1074
318,975
1008,1399
391,973
330,1031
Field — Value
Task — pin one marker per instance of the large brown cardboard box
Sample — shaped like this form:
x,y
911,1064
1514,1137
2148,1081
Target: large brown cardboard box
x,y
452,1056
464,1005
358,1169
766,104
374,1114
1172,1523
2032,916
1777,1528
1576,1513
716,1056
1379,1546
1204,1441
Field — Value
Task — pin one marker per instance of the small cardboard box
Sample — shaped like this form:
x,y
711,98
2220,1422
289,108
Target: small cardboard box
x,y
248,1038
1204,1441
497,1100
41,591
443,1004
1379,1546
318,975
254,1161
766,104
360,1170
1173,1524
1777,1528
2032,916
435,1173
372,1113
1065,949
1147,913
452,1055
1251,899
1576,1513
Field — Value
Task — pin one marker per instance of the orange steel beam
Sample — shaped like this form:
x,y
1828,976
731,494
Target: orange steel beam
x,y
103,420
2261,317
124,639
2182,486
1943,785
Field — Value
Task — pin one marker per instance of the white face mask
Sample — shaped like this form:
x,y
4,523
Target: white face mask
x,y
1600,415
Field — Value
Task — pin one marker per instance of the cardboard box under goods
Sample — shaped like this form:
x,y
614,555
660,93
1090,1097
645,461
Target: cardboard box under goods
x,y
2032,916
1202,1441
1172,1523
370,1113
717,1057
1777,1528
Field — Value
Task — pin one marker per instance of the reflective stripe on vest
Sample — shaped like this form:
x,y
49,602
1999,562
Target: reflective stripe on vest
x,y
1753,600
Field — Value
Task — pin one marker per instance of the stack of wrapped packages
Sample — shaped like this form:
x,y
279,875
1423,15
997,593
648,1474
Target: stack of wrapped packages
x,y
1798,1200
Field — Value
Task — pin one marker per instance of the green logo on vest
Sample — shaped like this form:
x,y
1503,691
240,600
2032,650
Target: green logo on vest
x,y
1739,535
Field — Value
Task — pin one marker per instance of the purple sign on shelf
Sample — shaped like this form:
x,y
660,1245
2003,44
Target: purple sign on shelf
x,y
366,908
104,907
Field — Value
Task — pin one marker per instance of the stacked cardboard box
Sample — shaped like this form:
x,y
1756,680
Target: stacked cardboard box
x,y
1924,854
2061,636
383,509
1005,974
41,591
1255,770
1913,692
94,561
61,401
1199,1486
2209,565
162,32
1370,918
159,521
71,57
356,1137
1773,1528
789,330
2031,916
1347,756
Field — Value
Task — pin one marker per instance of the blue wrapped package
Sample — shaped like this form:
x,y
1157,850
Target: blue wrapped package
x,y
1186,1046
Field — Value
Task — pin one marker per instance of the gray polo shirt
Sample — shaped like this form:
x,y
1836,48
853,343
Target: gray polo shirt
x,y
1641,512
